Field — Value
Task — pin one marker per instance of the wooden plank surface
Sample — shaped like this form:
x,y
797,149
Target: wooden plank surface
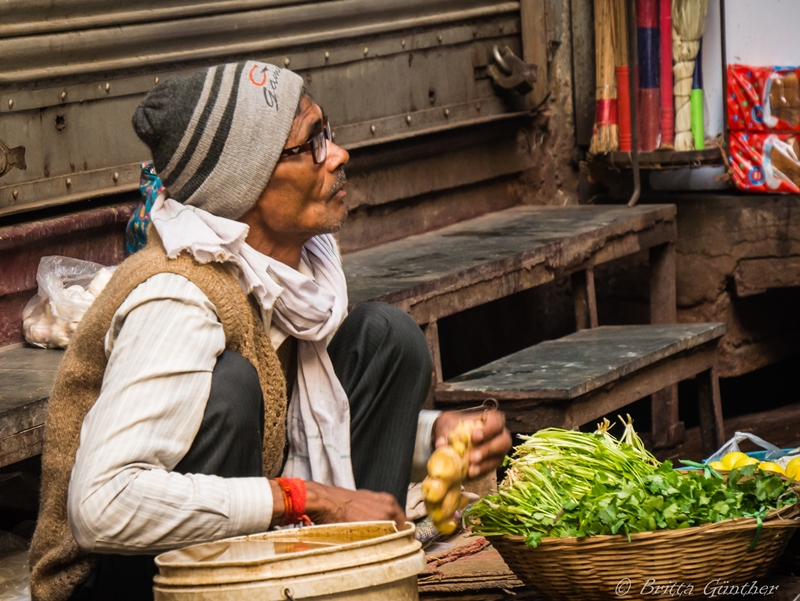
x,y
26,379
756,276
418,268
22,445
579,363
530,415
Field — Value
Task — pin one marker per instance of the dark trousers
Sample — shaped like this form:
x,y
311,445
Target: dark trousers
x,y
380,357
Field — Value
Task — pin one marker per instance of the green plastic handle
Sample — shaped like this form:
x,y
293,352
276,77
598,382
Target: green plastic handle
x,y
698,127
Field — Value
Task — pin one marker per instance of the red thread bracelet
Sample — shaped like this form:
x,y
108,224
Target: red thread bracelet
x,y
294,501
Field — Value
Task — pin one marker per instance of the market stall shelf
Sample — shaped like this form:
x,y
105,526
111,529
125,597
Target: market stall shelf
x,y
666,159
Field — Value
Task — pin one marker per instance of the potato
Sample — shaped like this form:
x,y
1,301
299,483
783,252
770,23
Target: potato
x,y
447,468
434,489
445,464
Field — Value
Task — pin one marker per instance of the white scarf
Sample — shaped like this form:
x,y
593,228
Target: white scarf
x,y
308,308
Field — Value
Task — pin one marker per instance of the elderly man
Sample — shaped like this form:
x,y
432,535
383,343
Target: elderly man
x,y
169,420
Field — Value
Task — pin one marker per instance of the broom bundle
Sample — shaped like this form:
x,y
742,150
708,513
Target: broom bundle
x,y
623,75
605,135
649,45
667,101
688,23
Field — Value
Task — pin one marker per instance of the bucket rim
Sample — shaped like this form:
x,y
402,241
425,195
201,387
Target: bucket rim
x,y
408,530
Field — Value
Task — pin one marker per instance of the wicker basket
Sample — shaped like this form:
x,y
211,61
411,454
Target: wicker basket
x,y
609,567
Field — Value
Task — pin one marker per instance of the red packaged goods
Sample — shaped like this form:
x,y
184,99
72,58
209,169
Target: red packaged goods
x,y
765,162
763,99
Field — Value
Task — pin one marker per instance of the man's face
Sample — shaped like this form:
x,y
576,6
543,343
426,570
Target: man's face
x,y
303,199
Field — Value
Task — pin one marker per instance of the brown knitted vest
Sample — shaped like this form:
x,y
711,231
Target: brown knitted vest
x,y
57,564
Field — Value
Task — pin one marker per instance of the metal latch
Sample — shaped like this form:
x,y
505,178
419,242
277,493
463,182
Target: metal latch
x,y
11,158
510,72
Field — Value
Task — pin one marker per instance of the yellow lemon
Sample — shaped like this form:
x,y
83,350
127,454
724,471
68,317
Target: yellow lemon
x,y
717,465
731,458
793,468
743,461
769,466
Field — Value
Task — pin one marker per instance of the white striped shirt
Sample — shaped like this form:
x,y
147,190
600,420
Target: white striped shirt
x,y
123,495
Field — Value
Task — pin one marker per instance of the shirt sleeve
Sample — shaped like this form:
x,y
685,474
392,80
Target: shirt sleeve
x,y
162,347
423,445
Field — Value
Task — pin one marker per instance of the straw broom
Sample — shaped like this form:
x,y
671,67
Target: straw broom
x,y
688,23
605,135
623,75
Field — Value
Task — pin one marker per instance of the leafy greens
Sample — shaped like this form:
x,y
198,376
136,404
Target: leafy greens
x,y
564,483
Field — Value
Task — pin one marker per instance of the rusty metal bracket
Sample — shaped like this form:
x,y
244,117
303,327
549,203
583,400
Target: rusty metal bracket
x,y
510,72
11,158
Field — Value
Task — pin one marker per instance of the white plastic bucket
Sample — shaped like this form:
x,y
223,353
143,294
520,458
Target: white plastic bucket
x,y
359,561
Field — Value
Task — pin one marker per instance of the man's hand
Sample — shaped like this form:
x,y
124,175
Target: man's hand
x,y
490,444
333,505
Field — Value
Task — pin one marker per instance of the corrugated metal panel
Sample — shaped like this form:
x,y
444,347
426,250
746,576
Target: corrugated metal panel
x,y
383,70
28,17
133,46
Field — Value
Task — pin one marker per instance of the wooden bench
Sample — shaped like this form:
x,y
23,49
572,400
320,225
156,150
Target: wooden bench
x,y
435,275
26,379
440,273
579,378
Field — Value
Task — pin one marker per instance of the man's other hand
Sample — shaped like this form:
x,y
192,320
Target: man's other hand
x,y
334,505
490,443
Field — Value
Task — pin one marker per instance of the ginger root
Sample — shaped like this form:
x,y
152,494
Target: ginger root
x,y
447,468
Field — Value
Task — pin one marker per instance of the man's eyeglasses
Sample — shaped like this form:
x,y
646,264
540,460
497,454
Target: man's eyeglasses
x,y
317,144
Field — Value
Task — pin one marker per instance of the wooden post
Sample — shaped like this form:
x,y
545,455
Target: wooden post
x,y
583,67
667,428
533,21
709,403
585,300
663,298
431,330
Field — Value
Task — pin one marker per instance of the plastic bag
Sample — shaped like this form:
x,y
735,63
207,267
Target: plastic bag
x,y
14,572
67,288
763,99
773,453
767,163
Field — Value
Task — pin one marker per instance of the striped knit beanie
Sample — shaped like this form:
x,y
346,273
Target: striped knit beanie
x,y
216,134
